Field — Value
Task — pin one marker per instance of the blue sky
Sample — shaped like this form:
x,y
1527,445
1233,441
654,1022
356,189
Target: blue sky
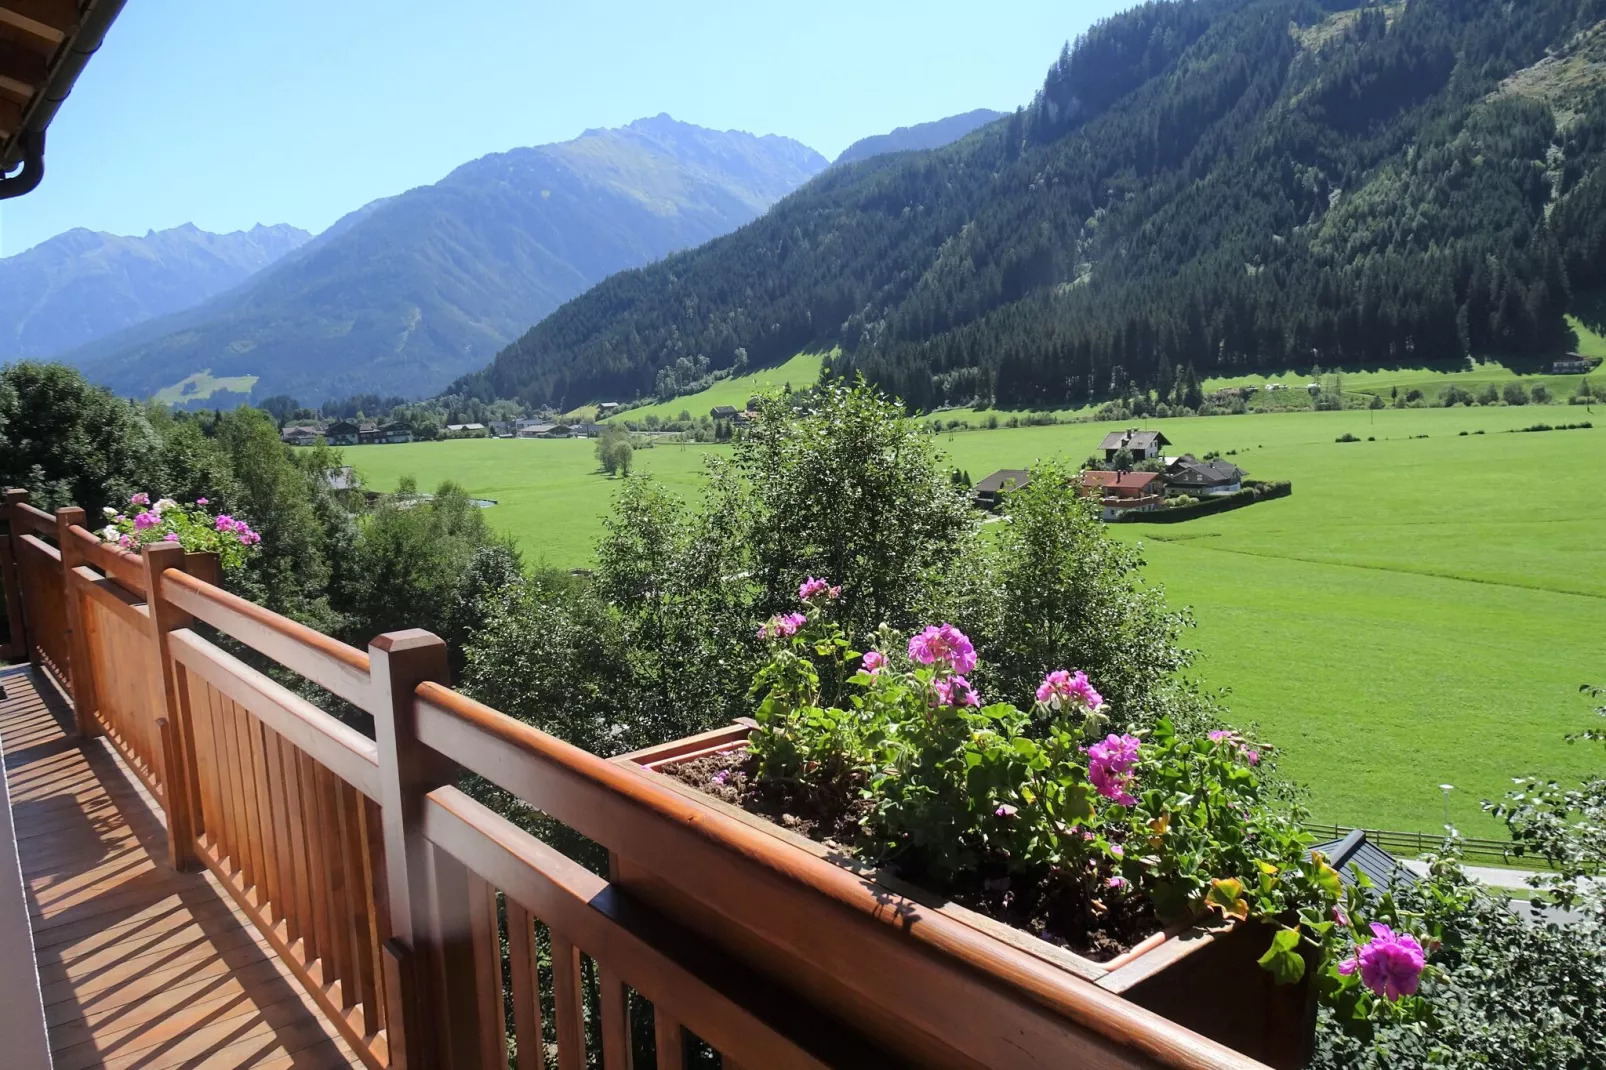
x,y
227,114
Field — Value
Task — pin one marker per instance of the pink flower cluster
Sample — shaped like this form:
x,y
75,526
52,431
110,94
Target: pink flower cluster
x,y
955,691
943,645
139,499
1235,741
813,587
1110,764
240,528
147,519
1390,963
1059,688
874,662
782,626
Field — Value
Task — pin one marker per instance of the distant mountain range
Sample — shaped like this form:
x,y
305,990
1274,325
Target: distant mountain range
x,y
411,291
83,285
932,135
1200,187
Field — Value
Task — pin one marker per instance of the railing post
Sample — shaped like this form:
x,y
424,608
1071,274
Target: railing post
x,y
16,610
408,771
15,624
80,677
180,787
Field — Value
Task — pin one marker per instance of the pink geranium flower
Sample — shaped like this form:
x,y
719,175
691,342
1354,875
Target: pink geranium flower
x,y
813,587
146,519
200,501
1110,765
171,536
139,499
955,691
1391,964
874,662
1060,688
943,645
783,626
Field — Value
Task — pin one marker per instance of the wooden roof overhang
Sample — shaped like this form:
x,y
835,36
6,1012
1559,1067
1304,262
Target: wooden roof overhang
x,y
44,46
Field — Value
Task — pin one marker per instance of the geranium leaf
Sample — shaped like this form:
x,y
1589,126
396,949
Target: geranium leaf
x,y
1227,896
1282,958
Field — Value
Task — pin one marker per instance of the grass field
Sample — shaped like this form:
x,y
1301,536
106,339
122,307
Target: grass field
x,y
801,371
1420,611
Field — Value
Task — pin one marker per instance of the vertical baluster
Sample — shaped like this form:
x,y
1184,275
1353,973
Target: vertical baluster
x,y
566,1004
250,821
295,824
284,892
370,868
360,905
319,883
669,1040
487,949
204,720
526,988
338,958
229,772
80,677
615,1010
263,835
11,576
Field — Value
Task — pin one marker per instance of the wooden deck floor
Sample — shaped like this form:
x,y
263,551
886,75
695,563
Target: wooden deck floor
x,y
140,966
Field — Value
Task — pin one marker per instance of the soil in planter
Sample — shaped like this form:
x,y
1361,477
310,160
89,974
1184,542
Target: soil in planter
x,y
1098,927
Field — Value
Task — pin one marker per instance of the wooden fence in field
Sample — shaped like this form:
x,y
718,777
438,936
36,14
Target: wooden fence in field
x,y
1473,849
435,932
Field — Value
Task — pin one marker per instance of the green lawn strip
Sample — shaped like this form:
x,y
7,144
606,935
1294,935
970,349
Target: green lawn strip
x,y
800,371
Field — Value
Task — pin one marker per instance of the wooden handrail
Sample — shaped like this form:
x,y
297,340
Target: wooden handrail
x,y
43,547
579,904
327,662
733,870
339,747
121,603
126,568
35,520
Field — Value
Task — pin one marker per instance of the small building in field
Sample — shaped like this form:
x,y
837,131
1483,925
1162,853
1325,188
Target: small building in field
x,y
989,492
467,430
537,430
1353,851
1572,364
1124,492
382,434
1189,475
723,412
342,433
300,435
607,408
1142,445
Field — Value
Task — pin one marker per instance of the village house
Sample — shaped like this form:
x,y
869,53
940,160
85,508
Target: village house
x,y
383,434
1572,364
1125,492
723,412
1189,475
1142,445
342,433
300,435
989,492
467,430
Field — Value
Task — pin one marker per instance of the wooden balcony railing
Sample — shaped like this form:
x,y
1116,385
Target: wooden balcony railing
x,y
435,932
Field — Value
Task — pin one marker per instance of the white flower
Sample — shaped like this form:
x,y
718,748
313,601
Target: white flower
x,y
111,534
163,505
108,510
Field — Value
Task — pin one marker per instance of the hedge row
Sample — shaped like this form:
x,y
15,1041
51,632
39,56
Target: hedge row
x,y
1252,493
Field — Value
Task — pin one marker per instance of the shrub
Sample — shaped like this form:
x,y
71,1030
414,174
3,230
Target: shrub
x,y
1514,394
1452,396
1541,394
1347,437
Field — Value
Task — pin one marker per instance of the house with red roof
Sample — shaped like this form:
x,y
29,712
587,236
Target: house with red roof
x,y
1124,492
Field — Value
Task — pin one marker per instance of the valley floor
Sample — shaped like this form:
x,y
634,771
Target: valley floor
x,y
1421,610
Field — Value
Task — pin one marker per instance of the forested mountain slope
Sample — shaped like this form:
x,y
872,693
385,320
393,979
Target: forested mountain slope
x,y
409,292
1226,184
85,284
932,135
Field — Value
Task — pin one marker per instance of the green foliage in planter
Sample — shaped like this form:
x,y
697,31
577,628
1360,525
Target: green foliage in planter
x,y
955,789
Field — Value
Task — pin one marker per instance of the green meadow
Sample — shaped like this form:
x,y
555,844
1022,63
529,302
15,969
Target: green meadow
x,y
1420,611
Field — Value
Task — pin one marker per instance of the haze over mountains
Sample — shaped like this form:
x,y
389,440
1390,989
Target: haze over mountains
x,y
84,285
1203,187
411,291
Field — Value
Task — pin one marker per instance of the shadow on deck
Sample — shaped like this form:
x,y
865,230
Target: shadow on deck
x,y
140,966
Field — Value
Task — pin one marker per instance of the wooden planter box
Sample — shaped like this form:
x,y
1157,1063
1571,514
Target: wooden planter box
x,y
1205,976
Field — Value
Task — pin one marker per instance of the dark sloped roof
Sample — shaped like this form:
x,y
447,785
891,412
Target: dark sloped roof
x,y
1134,440
1355,851
994,483
1203,473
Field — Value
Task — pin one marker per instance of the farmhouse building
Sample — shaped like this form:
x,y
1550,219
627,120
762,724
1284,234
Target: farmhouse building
x,y
723,412
989,493
300,435
1142,445
342,433
1572,364
1189,475
385,434
1125,492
